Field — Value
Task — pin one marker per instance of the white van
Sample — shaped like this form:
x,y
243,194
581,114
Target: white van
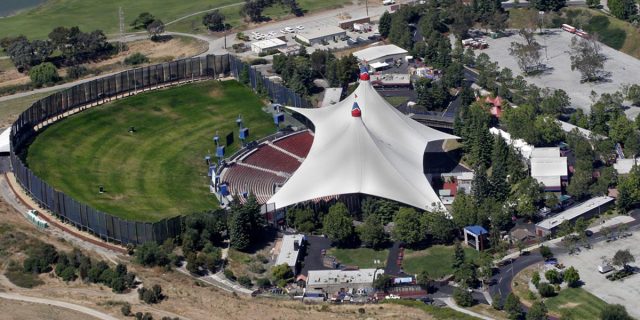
x,y
605,268
388,2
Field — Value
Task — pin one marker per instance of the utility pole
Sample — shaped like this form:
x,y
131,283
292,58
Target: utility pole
x,y
366,4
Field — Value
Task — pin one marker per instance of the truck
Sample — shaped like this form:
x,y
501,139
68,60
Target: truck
x,y
604,268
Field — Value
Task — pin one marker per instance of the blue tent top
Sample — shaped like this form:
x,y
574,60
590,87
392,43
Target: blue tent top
x,y
476,230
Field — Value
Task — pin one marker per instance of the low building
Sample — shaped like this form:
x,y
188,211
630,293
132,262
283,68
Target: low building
x,y
391,80
476,237
332,281
386,53
319,35
348,24
264,46
586,210
624,166
522,146
290,250
549,168
290,50
568,127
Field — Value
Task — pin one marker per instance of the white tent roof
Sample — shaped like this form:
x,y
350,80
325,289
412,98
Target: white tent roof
x,y
377,52
380,153
4,140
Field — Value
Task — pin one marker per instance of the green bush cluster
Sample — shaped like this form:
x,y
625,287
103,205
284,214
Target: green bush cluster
x,y
136,59
151,296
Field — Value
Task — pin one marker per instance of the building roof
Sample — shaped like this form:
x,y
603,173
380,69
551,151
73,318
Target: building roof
x,y
328,277
549,167
622,166
331,96
4,140
269,43
522,146
288,251
315,33
356,150
551,152
568,127
378,65
476,230
552,181
391,78
377,52
573,212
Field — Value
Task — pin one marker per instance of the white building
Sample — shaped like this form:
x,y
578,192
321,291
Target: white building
x,y
623,166
356,151
334,280
323,34
586,210
549,168
381,54
290,251
267,45
522,146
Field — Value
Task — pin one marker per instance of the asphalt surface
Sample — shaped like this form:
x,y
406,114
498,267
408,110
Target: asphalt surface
x,y
392,267
313,258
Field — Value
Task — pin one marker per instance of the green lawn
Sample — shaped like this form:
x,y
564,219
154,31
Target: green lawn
x,y
233,17
94,14
158,171
436,260
576,303
361,257
436,312
396,100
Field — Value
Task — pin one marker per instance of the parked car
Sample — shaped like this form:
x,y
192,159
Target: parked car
x,y
300,27
388,2
289,29
605,268
392,297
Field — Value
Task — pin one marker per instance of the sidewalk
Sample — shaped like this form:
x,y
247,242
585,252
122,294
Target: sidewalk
x,y
451,304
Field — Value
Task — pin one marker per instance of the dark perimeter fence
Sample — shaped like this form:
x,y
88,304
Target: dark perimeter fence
x,y
103,90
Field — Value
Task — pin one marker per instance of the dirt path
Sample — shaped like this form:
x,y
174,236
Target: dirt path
x,y
66,305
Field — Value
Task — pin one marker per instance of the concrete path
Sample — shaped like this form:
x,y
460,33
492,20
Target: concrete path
x,y
451,304
61,304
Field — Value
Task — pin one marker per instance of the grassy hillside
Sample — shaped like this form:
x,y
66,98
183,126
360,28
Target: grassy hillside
x,y
158,171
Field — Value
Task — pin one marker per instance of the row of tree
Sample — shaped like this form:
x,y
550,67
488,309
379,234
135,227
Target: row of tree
x,y
253,9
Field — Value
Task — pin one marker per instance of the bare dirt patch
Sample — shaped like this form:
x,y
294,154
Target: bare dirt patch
x,y
18,310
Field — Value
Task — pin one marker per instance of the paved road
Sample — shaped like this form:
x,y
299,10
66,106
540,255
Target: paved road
x,y
61,304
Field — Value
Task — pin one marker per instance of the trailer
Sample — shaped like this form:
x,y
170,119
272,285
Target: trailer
x,y
568,28
32,215
582,33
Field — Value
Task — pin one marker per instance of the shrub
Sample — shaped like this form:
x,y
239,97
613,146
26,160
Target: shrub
x,y
44,74
150,254
136,59
546,290
229,274
572,277
281,272
245,281
263,283
553,276
535,279
151,296
462,297
126,310
76,72
546,252
258,61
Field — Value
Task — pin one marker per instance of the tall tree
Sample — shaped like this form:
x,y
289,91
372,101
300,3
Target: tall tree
x,y
587,57
384,26
549,5
622,258
458,256
399,33
143,20
407,227
538,311
338,225
372,233
623,9
214,21
155,29
512,307
527,54
614,312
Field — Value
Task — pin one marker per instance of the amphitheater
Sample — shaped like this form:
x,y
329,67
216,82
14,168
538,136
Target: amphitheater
x,y
267,167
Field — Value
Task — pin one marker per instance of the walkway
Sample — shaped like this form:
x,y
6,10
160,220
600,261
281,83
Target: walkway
x,y
61,304
451,304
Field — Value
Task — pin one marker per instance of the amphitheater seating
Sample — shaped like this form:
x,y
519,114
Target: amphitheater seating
x,y
273,159
298,144
260,183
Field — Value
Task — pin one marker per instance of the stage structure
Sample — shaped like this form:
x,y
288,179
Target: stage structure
x,y
364,145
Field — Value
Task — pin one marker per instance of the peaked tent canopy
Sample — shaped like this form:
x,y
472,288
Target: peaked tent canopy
x,y
363,145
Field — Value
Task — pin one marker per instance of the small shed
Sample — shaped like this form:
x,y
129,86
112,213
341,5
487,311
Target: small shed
x,y
475,236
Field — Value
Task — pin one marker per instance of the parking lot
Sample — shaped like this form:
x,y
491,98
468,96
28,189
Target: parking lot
x,y
624,68
626,292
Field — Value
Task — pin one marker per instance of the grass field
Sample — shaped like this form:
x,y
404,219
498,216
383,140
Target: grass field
x,y
436,260
361,257
575,303
436,312
233,17
11,109
158,171
94,14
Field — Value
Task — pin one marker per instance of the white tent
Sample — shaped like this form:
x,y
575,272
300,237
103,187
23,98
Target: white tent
x,y
379,153
4,141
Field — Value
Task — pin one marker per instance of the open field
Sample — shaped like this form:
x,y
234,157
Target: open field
x,y
93,14
576,302
361,257
626,292
158,171
18,310
436,260
233,17
11,109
